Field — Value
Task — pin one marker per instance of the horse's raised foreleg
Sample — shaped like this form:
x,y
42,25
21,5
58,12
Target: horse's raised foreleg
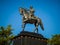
x,y
23,26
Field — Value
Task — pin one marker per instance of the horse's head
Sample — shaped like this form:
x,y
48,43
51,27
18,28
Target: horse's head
x,y
21,11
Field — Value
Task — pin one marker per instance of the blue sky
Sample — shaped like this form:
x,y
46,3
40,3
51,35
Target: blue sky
x,y
47,10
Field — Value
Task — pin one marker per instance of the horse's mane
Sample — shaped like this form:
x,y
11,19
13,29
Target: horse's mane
x,y
25,10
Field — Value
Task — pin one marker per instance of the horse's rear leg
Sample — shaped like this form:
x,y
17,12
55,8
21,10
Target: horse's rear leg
x,y
36,27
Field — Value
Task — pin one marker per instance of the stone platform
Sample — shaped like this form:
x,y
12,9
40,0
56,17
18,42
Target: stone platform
x,y
29,38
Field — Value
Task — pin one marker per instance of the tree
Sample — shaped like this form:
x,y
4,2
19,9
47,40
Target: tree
x,y
6,35
55,40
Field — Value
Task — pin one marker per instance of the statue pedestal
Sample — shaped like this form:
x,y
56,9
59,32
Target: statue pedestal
x,y
29,38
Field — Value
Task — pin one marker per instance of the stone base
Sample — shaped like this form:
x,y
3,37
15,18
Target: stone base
x,y
29,38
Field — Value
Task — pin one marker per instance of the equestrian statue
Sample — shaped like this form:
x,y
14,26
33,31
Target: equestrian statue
x,y
28,17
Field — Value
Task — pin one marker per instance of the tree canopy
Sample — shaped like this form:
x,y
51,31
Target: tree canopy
x,y
55,40
6,35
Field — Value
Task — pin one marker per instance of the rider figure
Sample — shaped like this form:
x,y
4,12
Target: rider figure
x,y
31,12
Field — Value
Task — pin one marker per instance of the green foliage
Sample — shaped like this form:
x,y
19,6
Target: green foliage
x,y
6,35
55,40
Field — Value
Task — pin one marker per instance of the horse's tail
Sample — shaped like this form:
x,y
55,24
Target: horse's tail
x,y
41,25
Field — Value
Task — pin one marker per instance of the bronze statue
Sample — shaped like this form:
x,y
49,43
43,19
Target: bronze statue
x,y
34,20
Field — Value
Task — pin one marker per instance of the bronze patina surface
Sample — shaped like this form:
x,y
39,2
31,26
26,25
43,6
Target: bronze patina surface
x,y
28,17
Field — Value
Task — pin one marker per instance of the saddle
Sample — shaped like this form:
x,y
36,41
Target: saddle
x,y
30,18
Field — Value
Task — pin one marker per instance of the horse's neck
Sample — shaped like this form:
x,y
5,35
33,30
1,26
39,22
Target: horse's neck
x,y
26,15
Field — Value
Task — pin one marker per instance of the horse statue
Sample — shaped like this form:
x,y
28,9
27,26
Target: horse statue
x,y
36,21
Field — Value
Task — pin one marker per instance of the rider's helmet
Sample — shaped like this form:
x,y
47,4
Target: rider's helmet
x,y
31,7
